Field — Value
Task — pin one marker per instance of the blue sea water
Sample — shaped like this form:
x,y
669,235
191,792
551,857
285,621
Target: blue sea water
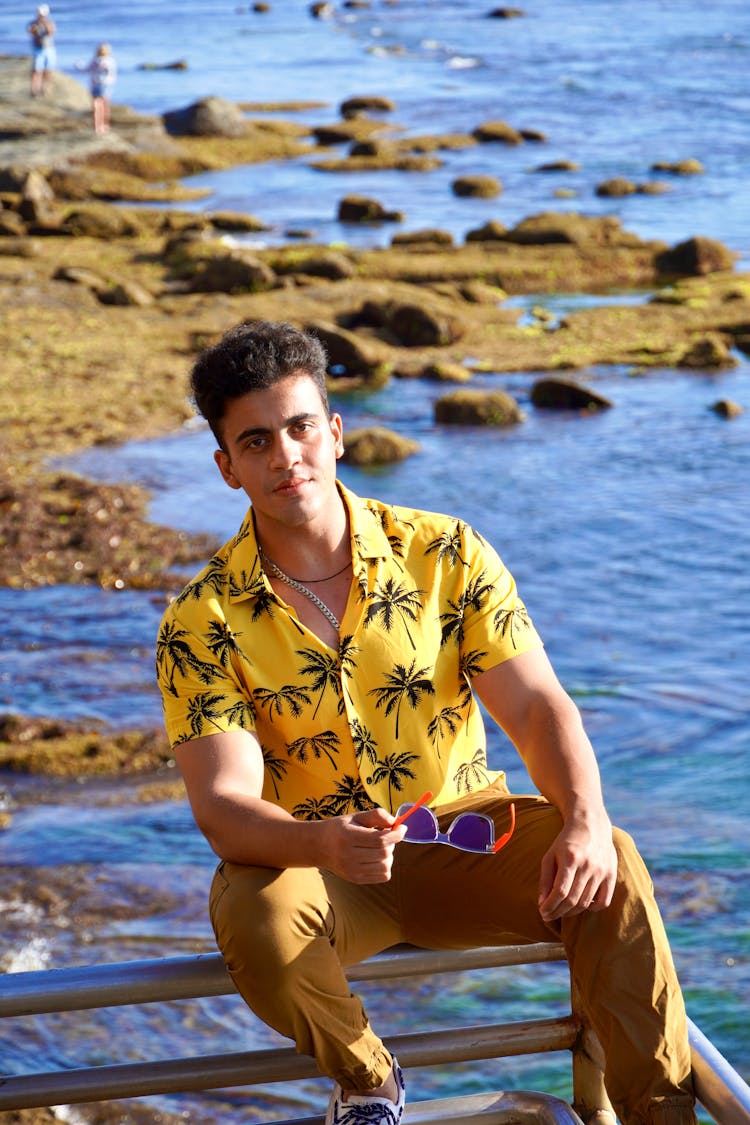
x,y
628,532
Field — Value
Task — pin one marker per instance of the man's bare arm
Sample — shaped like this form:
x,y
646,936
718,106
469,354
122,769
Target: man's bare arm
x,y
223,774
525,698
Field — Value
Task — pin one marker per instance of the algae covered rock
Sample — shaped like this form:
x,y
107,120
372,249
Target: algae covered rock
x,y
231,272
208,117
696,257
564,394
499,131
376,445
350,355
478,187
362,209
467,407
709,351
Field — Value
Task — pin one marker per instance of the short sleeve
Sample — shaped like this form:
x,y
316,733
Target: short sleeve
x,y
199,670
496,623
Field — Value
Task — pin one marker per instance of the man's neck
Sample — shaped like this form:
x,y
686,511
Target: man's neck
x,y
312,550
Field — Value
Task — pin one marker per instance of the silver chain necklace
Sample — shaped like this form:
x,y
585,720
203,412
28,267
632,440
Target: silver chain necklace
x,y
302,589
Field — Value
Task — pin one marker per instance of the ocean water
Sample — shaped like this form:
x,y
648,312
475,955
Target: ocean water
x,y
628,532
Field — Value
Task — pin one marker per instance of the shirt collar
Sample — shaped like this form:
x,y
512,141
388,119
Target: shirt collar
x,y
369,541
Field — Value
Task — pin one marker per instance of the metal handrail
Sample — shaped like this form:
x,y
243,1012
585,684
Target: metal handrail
x,y
719,1088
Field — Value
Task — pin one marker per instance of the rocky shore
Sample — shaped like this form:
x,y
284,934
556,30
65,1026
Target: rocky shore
x,y
106,302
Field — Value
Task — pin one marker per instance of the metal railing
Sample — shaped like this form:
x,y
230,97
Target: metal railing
x,y
720,1089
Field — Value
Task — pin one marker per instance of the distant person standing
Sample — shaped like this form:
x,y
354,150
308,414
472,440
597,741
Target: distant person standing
x,y
103,72
42,31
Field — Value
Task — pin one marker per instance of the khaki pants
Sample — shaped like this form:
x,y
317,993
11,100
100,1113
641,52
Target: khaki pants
x,y
286,936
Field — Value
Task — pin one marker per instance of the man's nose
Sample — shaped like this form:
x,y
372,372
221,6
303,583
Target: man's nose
x,y
285,452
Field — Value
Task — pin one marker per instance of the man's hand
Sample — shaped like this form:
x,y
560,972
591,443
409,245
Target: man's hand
x,y
359,847
578,872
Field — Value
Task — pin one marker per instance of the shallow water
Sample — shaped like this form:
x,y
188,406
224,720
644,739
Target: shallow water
x,y
628,532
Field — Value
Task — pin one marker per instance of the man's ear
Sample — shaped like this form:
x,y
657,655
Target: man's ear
x,y
337,429
225,468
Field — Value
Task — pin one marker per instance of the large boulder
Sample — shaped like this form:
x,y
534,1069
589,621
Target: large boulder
x,y
231,272
208,117
350,356
707,352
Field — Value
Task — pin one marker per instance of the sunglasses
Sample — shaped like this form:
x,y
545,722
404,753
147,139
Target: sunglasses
x,y
470,832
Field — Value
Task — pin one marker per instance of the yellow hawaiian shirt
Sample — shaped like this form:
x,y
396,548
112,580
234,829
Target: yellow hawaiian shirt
x,y
391,713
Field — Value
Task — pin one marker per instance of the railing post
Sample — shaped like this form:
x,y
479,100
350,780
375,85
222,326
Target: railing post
x,y
589,1093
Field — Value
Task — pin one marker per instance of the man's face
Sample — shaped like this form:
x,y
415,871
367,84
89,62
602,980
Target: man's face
x,y
281,448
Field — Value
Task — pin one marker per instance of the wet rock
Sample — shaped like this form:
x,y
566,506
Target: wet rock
x,y
330,264
564,394
11,224
322,10
707,352
478,187
443,371
416,326
232,272
236,221
654,187
535,136
344,132
696,257
385,149
430,235
99,221
377,445
558,166
468,407
178,64
616,187
208,117
493,231
366,103
505,13
499,131
551,227
689,167
361,209
125,293
726,408
349,355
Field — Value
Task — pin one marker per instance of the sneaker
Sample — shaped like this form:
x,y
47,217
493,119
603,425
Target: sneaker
x,y
359,1110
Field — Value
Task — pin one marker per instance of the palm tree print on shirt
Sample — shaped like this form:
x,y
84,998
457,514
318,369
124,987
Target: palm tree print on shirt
x,y
276,768
324,743
290,696
391,598
447,546
325,672
174,655
395,770
403,683
473,774
507,621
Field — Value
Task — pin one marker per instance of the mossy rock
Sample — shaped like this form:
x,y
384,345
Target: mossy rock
x,y
429,236
55,748
236,221
707,352
349,355
497,131
616,187
345,132
232,272
492,231
416,326
362,209
99,221
477,187
366,103
695,257
444,371
559,166
207,117
478,408
564,394
376,445
689,167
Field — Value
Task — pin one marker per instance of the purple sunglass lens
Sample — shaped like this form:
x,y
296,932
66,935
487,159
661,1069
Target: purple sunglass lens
x,y
472,832
421,826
